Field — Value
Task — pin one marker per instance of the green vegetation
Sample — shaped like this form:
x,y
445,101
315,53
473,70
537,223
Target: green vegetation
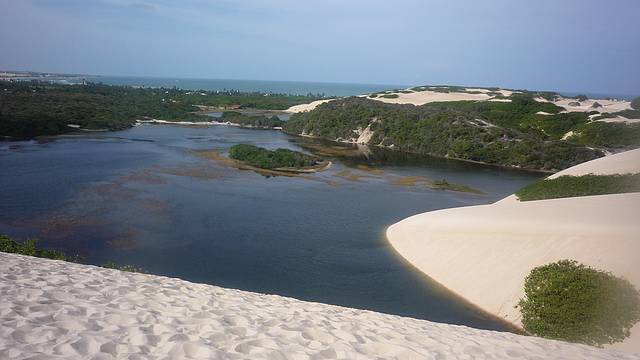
x,y
572,302
585,185
29,109
390,96
582,97
500,133
29,247
635,103
257,121
271,159
607,134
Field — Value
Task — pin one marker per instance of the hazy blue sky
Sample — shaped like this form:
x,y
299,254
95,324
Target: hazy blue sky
x,y
567,45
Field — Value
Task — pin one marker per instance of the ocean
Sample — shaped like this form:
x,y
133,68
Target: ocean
x,y
280,87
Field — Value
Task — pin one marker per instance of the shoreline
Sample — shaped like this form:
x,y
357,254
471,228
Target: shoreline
x,y
471,249
511,327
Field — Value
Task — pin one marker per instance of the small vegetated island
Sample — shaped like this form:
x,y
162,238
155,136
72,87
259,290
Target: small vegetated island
x,y
280,159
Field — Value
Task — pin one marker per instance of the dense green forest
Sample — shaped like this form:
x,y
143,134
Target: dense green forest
x,y
257,121
29,109
271,159
501,133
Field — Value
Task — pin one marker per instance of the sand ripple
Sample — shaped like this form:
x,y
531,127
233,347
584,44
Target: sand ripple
x,y
57,310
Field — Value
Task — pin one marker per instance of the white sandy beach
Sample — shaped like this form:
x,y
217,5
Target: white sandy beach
x,y
59,310
484,253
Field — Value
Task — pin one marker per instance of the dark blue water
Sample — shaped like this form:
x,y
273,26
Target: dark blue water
x,y
143,197
280,87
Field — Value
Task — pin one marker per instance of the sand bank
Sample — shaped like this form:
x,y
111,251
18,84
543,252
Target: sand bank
x,y
484,253
59,310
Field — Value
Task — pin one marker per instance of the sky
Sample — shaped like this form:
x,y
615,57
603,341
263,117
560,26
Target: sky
x,y
588,46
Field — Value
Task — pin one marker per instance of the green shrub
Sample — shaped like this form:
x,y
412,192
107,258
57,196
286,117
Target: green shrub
x,y
635,103
572,302
585,185
608,134
29,248
390,96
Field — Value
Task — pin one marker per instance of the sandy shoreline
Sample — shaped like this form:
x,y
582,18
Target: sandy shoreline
x,y
472,249
60,310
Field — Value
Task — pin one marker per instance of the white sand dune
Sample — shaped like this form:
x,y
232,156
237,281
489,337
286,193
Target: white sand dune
x,y
59,310
607,106
307,107
620,119
424,97
484,253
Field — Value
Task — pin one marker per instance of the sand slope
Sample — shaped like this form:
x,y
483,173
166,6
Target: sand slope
x,y
485,252
57,310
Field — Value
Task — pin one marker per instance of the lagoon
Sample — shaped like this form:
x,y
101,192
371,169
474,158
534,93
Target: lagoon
x,y
146,197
